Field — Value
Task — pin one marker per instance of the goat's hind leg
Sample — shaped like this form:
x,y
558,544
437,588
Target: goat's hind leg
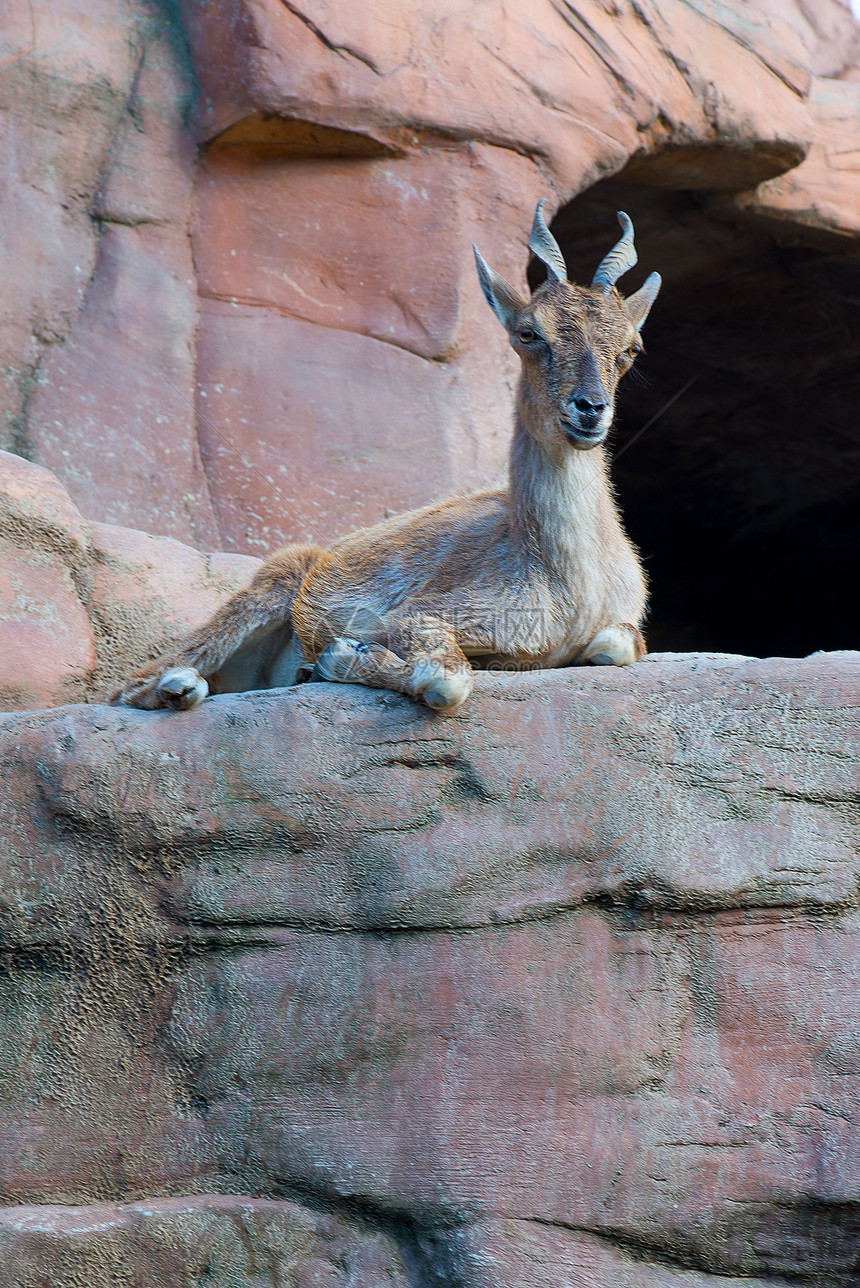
x,y
428,663
349,661
618,645
244,625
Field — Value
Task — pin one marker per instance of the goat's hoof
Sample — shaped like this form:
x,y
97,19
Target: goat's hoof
x,y
601,659
446,696
337,660
440,689
614,646
182,688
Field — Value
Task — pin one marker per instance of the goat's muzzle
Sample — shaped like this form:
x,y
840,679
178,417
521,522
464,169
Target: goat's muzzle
x,y
584,429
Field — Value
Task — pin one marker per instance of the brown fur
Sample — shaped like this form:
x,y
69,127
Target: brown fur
x,y
535,574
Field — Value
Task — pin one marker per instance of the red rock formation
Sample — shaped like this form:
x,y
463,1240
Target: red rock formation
x,y
318,352
564,989
310,987
212,1239
82,603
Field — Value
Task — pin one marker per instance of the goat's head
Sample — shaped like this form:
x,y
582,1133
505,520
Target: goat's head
x,y
575,342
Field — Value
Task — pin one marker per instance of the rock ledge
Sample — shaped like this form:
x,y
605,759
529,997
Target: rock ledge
x,y
311,984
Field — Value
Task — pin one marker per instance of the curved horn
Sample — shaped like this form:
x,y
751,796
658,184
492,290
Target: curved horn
x,y
620,259
544,245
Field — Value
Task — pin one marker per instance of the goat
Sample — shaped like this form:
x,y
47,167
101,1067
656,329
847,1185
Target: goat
x,y
538,573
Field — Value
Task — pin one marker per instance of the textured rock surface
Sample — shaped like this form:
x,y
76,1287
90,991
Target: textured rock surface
x,y
100,303
473,116
82,604
824,190
45,635
311,988
240,306
565,986
220,1242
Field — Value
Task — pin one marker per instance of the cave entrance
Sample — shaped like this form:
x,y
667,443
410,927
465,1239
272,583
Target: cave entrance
x,y
744,494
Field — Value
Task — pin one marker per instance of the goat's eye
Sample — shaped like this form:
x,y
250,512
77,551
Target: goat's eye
x,y
526,335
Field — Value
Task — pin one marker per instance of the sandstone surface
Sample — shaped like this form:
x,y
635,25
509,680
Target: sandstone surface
x,y
241,308
824,190
566,985
218,1241
83,604
311,987
99,307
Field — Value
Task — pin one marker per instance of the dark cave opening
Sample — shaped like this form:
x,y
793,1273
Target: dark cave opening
x,y
743,495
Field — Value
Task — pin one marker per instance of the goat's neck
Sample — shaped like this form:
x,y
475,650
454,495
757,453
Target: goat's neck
x,y
558,499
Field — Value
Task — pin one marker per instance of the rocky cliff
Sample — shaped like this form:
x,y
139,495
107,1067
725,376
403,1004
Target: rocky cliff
x,y
209,209
312,987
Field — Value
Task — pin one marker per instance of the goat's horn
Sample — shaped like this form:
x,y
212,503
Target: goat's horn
x,y
620,259
544,245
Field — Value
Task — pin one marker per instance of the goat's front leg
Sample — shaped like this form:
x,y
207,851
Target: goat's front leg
x,y
617,645
424,661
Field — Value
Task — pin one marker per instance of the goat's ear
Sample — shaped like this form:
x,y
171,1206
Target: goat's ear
x,y
503,299
638,304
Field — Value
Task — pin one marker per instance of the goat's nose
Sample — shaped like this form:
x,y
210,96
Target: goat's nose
x,y
585,405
